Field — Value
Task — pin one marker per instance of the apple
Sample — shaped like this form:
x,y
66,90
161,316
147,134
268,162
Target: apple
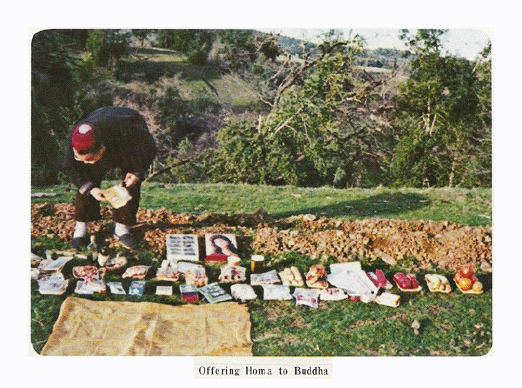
x,y
466,271
413,281
402,281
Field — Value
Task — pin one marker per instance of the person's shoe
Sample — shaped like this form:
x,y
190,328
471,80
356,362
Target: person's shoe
x,y
78,242
127,240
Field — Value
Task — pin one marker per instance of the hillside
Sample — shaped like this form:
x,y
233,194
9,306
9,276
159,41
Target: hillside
x,y
351,117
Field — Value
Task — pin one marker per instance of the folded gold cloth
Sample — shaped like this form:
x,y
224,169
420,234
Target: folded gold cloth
x,y
93,328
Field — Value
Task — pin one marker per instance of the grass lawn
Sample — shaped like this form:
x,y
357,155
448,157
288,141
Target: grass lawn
x,y
450,324
460,206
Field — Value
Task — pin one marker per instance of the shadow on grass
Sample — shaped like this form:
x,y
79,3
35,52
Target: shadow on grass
x,y
380,205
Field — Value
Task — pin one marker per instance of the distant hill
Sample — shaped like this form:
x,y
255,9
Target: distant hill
x,y
380,58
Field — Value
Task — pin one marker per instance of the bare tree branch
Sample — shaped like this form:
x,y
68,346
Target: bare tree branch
x,y
168,168
296,72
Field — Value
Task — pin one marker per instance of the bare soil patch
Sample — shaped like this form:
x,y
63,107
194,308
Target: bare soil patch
x,y
427,244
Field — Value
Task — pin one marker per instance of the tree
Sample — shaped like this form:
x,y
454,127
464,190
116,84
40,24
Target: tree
x,y
51,76
437,120
141,35
326,126
107,47
63,89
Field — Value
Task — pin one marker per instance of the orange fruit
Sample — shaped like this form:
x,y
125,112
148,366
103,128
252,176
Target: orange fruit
x,y
465,284
477,286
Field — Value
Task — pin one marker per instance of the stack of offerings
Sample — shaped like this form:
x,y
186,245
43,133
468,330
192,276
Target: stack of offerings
x,y
348,279
49,277
353,280
232,274
89,280
271,289
167,272
195,274
407,283
467,282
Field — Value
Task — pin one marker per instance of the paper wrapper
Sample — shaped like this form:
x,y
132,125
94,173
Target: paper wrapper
x,y
117,196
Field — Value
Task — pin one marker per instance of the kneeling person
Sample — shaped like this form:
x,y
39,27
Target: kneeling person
x,y
107,139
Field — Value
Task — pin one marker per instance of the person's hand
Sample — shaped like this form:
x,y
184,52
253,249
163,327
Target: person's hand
x,y
99,194
130,179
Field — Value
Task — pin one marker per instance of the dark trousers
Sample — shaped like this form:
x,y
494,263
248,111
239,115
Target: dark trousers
x,y
87,208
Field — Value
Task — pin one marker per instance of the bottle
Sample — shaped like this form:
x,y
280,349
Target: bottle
x,y
93,248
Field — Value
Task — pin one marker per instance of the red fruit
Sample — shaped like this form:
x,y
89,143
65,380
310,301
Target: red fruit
x,y
474,279
466,271
413,280
402,281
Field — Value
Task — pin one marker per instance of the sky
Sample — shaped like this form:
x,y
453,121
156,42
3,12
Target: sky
x,y
466,43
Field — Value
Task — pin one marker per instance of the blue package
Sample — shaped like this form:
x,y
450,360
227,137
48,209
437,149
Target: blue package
x,y
137,287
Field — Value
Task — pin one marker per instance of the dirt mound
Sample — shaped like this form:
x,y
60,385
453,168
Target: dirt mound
x,y
426,244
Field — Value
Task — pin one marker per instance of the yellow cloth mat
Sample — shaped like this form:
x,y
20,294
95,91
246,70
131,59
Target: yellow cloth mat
x,y
91,328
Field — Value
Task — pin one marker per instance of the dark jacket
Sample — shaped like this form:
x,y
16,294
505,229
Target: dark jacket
x,y
129,146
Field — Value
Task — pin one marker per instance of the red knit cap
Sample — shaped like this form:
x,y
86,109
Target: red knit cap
x,y
85,138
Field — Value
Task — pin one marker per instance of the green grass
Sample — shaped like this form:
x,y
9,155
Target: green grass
x,y
451,324
461,206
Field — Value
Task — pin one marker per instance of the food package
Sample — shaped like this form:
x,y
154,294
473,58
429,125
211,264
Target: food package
x,y
406,283
306,297
52,285
196,277
86,271
136,272
276,292
35,273
332,294
183,267
189,294
167,273
355,283
437,283
242,292
380,280
102,258
164,290
388,299
182,247
35,259
259,279
117,196
137,288
90,286
232,274
54,265
291,277
316,277
116,288
115,263
344,267
213,293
